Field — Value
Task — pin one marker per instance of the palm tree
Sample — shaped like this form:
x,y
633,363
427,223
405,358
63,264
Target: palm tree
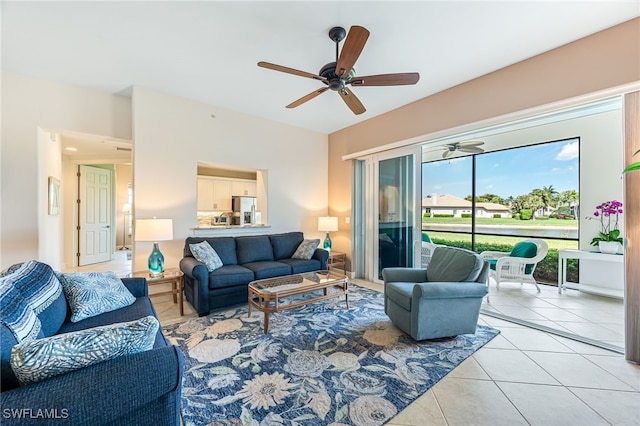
x,y
548,195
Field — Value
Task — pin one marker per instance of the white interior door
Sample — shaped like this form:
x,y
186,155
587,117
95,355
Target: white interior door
x,y
94,215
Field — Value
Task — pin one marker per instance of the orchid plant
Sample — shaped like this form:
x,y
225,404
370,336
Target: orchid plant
x,y
632,166
608,213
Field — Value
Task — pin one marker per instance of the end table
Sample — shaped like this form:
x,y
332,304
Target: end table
x,y
171,276
337,259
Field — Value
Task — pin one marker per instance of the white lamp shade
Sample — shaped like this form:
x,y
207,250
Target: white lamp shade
x,y
154,229
327,223
126,208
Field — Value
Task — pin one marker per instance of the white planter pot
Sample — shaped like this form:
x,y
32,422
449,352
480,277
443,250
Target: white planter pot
x,y
609,247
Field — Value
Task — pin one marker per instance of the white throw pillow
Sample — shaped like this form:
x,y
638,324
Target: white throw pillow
x,y
93,293
203,252
51,356
306,249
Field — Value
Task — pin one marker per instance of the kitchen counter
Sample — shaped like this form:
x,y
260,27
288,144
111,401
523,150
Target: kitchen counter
x,y
228,229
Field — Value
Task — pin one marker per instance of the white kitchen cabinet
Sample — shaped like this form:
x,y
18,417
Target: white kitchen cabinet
x,y
205,194
221,195
245,188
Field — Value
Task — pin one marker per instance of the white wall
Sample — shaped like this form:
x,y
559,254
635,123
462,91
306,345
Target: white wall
x,y
29,104
172,134
50,247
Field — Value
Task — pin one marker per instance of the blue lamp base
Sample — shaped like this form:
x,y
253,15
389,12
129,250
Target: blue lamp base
x,y
156,263
327,243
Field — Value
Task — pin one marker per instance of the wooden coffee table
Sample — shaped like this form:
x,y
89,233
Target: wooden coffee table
x,y
265,294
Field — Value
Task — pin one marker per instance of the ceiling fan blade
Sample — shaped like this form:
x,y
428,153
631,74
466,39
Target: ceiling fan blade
x,y
290,70
471,149
353,45
470,143
399,79
307,97
352,101
446,153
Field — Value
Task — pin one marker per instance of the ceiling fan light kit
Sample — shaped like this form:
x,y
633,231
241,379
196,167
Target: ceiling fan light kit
x,y
341,73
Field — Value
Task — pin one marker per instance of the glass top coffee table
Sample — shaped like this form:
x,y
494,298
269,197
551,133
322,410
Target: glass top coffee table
x,y
267,295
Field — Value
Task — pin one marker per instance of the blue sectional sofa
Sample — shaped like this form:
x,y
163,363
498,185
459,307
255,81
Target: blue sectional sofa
x,y
139,389
245,259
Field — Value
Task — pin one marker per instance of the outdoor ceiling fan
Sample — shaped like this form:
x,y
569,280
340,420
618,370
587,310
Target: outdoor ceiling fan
x,y
338,75
466,146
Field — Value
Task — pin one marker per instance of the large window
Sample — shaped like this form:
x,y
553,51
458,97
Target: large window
x,y
492,200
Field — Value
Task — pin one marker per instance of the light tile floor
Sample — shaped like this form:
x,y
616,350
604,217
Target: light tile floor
x,y
524,376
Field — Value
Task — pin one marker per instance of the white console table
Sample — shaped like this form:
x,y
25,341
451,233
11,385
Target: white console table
x,y
604,290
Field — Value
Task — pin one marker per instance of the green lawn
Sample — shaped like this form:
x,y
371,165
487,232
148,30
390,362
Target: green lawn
x,y
503,221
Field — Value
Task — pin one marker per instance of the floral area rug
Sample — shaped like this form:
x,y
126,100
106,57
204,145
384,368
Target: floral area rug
x,y
320,364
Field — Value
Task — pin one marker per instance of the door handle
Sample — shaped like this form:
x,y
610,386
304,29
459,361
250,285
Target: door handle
x,y
107,226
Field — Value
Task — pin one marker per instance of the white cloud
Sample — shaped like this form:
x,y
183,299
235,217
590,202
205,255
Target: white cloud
x,y
555,169
496,165
569,152
489,186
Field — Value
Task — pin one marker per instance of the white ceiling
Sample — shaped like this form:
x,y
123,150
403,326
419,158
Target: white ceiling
x,y
208,50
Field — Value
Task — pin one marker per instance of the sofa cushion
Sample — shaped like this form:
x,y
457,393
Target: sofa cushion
x,y
306,249
92,293
230,275
255,248
299,266
268,269
51,356
204,253
141,308
224,246
284,245
451,264
16,314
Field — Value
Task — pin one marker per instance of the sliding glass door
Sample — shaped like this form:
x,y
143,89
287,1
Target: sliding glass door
x,y
392,230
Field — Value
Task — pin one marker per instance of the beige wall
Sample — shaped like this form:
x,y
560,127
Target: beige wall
x,y
172,135
604,60
27,105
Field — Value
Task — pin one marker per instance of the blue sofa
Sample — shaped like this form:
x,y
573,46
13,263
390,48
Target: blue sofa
x,y
139,389
245,259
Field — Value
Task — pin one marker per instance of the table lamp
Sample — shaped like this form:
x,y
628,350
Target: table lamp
x,y
155,230
327,224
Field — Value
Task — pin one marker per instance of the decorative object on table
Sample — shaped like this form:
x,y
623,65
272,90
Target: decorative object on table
x,y
319,364
126,209
327,224
54,196
154,230
608,240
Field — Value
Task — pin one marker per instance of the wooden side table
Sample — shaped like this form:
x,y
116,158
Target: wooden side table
x,y
337,260
171,276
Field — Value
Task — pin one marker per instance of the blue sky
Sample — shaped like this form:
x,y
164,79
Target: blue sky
x,y
506,173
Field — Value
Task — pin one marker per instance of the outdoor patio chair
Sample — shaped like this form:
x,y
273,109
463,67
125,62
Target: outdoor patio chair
x,y
517,265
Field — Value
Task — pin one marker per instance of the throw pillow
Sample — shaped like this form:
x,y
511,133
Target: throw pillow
x,y
93,293
43,358
16,313
525,249
203,252
306,249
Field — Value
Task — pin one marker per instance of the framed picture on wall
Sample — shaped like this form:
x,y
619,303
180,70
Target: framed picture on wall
x,y
54,195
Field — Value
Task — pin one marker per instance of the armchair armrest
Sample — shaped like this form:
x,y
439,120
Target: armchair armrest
x,y
449,290
192,268
109,390
412,275
137,286
494,254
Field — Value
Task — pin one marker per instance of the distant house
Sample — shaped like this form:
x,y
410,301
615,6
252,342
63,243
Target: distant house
x,y
449,204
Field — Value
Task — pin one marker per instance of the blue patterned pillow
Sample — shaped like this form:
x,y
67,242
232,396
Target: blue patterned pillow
x,y
93,293
306,249
16,313
43,358
203,252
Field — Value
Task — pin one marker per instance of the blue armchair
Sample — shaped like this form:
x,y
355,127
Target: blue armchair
x,y
439,301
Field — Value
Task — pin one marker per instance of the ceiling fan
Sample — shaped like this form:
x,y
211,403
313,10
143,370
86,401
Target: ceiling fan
x,y
338,75
466,146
